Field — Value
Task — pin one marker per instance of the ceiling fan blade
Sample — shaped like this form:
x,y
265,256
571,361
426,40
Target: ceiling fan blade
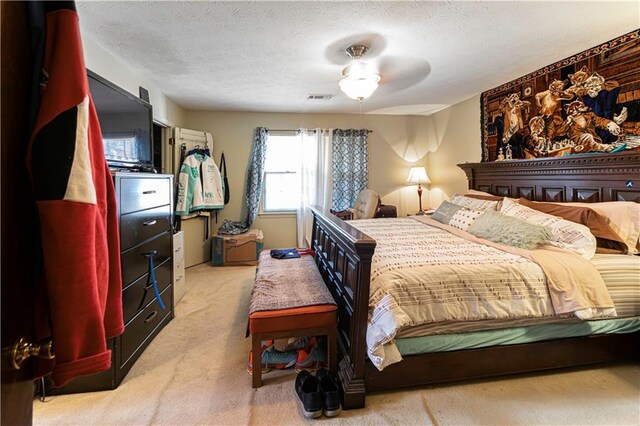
x,y
401,72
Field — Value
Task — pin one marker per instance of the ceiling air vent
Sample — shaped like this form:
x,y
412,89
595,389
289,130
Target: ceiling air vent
x,y
319,97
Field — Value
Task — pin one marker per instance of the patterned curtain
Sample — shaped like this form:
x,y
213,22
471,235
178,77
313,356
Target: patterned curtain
x,y
349,166
255,174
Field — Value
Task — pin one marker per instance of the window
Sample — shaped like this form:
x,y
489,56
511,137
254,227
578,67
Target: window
x,y
282,173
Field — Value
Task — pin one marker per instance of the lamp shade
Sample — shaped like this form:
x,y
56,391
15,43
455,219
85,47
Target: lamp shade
x,y
417,175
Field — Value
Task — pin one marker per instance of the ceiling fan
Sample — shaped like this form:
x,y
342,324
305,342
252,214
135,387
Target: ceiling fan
x,y
385,75
359,80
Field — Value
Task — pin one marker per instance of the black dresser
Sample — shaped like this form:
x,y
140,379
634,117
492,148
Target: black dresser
x,y
144,211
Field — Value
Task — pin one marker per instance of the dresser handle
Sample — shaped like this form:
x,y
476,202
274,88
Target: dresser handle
x,y
152,191
179,278
150,253
149,223
178,249
151,316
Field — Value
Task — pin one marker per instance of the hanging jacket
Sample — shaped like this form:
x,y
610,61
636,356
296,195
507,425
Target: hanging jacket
x,y
76,204
199,185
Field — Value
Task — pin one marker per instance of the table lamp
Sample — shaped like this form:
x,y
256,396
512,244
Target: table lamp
x,y
418,175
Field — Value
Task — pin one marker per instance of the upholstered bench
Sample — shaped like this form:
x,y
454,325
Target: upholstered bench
x,y
290,299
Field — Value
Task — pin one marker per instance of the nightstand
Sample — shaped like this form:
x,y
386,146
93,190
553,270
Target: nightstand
x,y
426,213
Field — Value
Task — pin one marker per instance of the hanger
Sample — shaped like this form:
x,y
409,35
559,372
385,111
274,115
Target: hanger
x,y
202,151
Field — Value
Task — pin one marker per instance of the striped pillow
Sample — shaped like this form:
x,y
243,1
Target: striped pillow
x,y
565,234
474,203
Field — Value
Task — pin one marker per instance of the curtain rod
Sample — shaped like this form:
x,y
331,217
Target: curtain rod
x,y
297,130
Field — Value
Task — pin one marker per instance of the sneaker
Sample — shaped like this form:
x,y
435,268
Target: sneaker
x,y
271,358
264,344
300,343
312,359
309,395
331,392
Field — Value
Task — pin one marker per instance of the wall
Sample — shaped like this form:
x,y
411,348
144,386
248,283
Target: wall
x,y
453,138
165,111
438,142
120,73
396,144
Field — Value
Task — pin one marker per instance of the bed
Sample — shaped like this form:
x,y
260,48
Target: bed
x,y
344,255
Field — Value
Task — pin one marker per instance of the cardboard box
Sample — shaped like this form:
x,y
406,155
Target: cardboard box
x,y
241,249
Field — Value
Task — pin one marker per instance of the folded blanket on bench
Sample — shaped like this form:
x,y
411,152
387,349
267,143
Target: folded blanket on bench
x,y
285,285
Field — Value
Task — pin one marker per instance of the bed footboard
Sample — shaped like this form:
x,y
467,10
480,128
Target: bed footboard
x,y
343,255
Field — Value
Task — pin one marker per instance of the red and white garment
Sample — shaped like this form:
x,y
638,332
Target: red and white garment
x,y
77,209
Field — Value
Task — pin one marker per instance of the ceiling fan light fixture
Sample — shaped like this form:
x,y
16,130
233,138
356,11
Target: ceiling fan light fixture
x,y
360,87
358,81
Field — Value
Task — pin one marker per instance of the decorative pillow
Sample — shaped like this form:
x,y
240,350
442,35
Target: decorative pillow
x,y
565,234
445,212
484,197
622,216
489,198
456,216
464,218
499,228
473,203
475,192
606,237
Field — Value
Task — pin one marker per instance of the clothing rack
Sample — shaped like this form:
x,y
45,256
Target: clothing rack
x,y
189,139
185,141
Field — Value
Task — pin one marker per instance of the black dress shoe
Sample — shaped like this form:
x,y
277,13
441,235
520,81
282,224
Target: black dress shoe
x,y
309,394
331,392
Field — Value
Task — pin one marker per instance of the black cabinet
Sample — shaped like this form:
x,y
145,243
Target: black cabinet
x,y
144,212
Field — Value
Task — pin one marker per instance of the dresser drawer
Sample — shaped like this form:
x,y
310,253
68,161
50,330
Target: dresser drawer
x,y
143,324
178,246
179,289
140,226
178,273
134,262
139,193
137,295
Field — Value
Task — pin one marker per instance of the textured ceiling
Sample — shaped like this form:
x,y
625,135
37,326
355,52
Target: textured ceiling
x,y
268,56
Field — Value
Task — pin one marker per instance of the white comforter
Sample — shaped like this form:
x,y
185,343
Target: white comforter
x,y
421,274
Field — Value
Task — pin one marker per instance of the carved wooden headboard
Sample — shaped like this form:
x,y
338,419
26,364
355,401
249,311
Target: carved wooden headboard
x,y
587,178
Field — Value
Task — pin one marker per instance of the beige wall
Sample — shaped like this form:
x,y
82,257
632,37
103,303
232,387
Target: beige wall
x,y
396,144
105,64
438,142
454,138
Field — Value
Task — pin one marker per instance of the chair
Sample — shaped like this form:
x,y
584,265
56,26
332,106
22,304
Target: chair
x,y
365,207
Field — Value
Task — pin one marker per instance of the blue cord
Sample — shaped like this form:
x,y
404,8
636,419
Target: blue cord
x,y
152,278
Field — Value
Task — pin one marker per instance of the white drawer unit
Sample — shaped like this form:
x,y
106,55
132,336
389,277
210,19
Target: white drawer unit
x,y
179,276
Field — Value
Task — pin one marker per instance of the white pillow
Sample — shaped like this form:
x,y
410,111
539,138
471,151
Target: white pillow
x,y
474,192
464,218
622,216
473,203
565,234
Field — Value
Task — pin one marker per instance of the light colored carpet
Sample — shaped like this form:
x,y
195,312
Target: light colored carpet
x,y
194,372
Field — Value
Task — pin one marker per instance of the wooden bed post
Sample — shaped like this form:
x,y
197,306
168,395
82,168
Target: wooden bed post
x,y
343,255
352,368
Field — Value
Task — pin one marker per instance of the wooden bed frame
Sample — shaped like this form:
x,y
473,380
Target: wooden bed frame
x,y
343,256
